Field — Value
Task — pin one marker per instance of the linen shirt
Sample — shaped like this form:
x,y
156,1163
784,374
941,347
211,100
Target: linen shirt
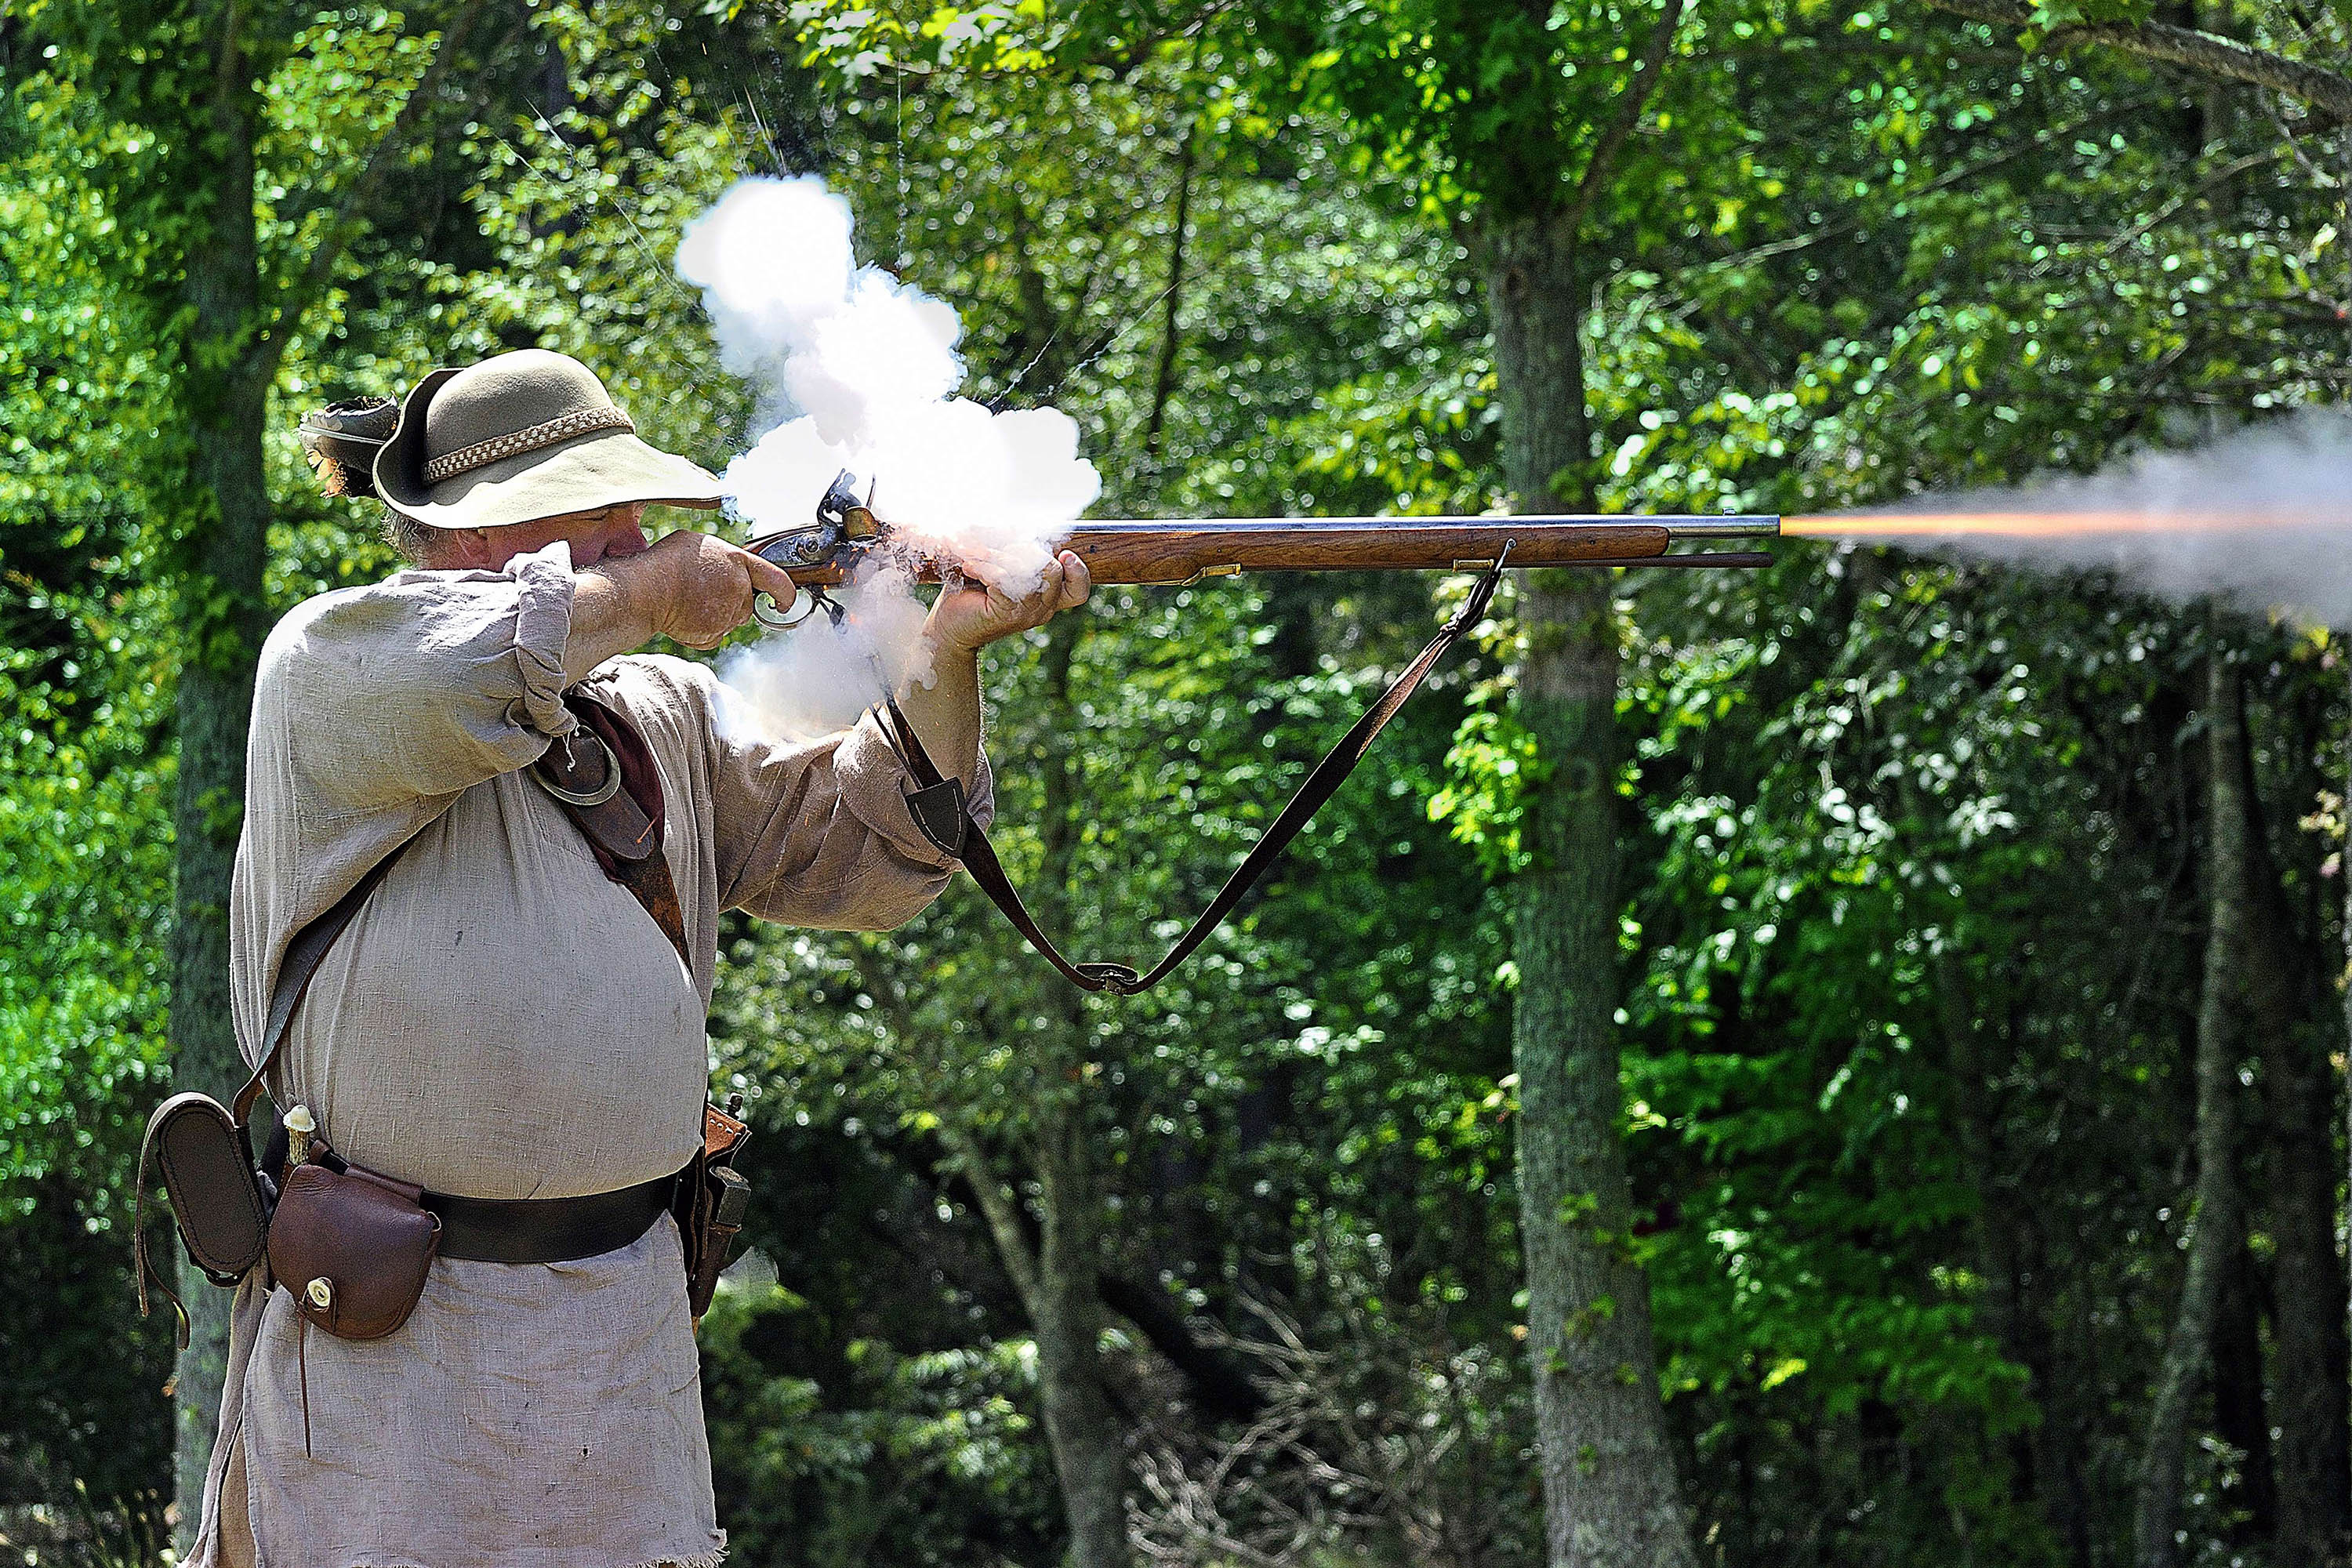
x,y
502,1021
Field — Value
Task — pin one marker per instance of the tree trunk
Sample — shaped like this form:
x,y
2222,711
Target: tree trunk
x,y
2240,1418
2313,1406
1163,380
1064,1298
1611,1496
1997,1232
1085,1431
226,400
2216,1218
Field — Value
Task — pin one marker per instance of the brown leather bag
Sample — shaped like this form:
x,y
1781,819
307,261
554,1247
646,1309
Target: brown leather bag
x,y
353,1247
208,1176
221,1202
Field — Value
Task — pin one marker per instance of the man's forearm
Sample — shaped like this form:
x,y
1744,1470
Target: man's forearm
x,y
946,713
608,619
610,615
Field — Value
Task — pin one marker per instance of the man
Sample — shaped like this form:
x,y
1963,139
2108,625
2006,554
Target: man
x,y
503,1021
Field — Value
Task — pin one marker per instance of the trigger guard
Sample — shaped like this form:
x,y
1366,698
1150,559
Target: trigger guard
x,y
765,610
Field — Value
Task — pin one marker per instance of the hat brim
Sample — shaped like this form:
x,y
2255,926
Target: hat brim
x,y
602,468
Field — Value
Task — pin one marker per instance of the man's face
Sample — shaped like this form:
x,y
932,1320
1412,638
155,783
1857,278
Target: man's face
x,y
608,532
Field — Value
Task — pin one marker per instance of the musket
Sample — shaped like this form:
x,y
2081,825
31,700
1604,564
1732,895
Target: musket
x,y
1178,551
1135,550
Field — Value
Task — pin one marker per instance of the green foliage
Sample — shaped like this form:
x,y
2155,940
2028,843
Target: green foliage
x,y
85,832
1495,766
1909,941
926,1457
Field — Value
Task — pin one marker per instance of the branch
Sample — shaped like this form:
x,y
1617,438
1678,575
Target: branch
x,y
1219,1382
1966,174
999,1207
344,227
2318,176
2220,177
1648,70
1163,384
2208,54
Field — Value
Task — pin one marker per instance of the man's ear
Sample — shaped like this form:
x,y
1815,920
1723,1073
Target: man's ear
x,y
463,548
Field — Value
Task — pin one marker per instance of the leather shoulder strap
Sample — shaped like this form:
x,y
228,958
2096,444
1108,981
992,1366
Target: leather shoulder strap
x,y
629,853
612,794
944,816
301,961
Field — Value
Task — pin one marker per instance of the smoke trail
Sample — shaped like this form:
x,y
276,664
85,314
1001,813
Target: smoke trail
x,y
2262,519
858,370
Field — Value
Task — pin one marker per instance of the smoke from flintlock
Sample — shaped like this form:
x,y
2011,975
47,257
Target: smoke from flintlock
x,y
858,370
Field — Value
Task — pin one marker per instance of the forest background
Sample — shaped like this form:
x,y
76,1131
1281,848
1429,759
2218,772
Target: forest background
x,y
1939,966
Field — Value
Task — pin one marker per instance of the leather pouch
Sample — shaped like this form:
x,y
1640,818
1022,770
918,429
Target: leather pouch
x,y
352,1247
207,1172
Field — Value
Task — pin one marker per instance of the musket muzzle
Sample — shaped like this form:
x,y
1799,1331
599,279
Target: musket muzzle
x,y
1752,527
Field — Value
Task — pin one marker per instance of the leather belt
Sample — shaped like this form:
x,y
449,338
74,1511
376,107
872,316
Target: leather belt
x,y
548,1230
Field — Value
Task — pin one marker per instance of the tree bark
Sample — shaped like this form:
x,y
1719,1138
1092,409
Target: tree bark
x,y
226,400
2207,54
2216,1217
2241,1418
1163,380
1058,1274
1996,1233
1611,1497
1084,1430
2313,1405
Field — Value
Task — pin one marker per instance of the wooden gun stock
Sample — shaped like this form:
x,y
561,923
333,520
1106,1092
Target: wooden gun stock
x,y
1178,552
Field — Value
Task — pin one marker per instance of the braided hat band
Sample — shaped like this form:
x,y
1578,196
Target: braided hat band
x,y
482,454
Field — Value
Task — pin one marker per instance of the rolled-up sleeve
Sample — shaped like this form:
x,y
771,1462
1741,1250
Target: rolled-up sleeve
x,y
421,685
814,833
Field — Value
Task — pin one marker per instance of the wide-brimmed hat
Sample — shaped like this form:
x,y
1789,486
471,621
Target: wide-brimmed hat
x,y
521,436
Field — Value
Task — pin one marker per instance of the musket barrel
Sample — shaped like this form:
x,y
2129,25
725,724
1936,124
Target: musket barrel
x,y
1750,527
1178,550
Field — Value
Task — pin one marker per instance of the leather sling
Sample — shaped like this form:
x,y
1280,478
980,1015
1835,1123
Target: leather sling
x,y
943,814
619,810
496,1230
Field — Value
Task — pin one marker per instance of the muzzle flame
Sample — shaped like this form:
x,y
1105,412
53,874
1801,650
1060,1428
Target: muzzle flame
x,y
1867,525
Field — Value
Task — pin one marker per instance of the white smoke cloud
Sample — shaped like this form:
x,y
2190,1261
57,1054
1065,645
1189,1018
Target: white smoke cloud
x,y
2262,519
858,370
818,677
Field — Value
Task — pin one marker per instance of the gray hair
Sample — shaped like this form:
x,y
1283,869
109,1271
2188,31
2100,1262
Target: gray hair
x,y
414,540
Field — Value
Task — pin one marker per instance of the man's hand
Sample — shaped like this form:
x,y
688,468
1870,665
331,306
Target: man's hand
x,y
694,589
688,587
967,619
946,712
